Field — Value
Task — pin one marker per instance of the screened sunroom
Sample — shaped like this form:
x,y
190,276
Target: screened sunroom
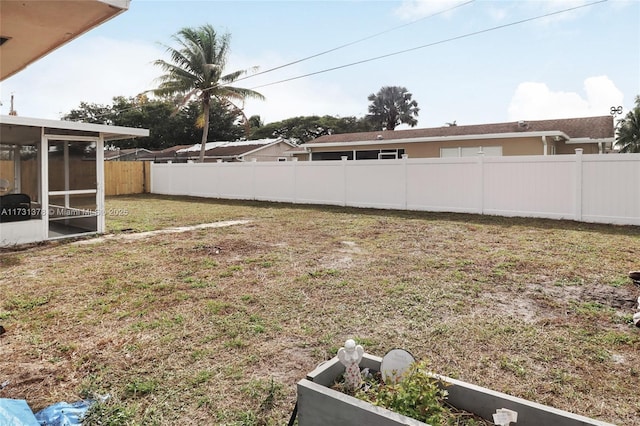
x,y
52,178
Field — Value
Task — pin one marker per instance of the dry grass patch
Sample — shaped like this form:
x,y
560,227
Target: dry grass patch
x,y
216,326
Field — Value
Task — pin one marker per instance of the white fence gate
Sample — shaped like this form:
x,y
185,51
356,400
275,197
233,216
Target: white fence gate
x,y
588,188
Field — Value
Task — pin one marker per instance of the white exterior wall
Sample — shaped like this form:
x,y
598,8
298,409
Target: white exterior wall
x,y
28,231
589,188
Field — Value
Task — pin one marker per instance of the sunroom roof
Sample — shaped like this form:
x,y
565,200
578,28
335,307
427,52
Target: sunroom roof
x,y
14,129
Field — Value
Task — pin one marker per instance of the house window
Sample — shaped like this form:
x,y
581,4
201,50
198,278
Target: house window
x,y
390,154
370,154
471,151
379,154
337,155
363,154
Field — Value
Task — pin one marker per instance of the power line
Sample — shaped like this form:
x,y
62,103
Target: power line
x,y
356,41
486,30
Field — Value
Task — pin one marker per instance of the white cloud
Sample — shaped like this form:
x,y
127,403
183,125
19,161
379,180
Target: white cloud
x,y
498,11
91,69
416,9
552,6
535,101
497,14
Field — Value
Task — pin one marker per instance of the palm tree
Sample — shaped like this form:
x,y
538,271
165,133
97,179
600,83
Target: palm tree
x,y
391,106
629,130
196,71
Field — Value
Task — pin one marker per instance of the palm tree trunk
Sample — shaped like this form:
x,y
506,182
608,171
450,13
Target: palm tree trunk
x,y
205,128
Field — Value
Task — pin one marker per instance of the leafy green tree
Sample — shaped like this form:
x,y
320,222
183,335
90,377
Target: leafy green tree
x,y
167,127
196,71
255,122
305,128
628,131
90,113
391,106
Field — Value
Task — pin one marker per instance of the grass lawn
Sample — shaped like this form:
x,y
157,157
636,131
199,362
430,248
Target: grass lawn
x,y
216,326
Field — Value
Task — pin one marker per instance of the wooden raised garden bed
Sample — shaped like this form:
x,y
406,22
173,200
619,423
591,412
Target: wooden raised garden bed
x,y
319,405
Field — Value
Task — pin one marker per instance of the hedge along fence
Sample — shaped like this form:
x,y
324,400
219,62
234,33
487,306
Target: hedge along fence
x,y
120,177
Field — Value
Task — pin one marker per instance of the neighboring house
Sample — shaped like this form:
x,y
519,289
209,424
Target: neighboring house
x,y
130,154
254,150
48,188
595,135
143,154
163,155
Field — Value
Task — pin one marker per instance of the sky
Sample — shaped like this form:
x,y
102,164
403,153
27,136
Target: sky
x,y
472,64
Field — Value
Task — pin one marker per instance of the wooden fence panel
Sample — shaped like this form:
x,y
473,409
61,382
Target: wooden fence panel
x,y
28,176
147,176
126,177
6,170
121,177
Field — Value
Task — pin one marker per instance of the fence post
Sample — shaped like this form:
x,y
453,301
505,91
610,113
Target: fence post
x,y
218,172
406,180
151,165
253,178
295,179
578,186
481,181
344,159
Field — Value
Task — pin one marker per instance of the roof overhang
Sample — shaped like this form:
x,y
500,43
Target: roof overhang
x,y
440,139
108,133
590,140
34,28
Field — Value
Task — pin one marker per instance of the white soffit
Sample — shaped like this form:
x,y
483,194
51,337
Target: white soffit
x,y
34,28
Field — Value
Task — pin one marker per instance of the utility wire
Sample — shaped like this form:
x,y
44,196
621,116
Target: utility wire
x,y
486,30
356,41
318,54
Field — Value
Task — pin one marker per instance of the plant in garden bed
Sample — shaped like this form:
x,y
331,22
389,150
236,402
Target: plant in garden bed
x,y
416,394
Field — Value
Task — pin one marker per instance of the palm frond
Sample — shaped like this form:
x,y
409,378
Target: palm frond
x,y
628,132
231,77
195,68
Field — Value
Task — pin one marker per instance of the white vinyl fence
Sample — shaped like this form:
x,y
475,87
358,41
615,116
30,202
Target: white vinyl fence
x,y
588,188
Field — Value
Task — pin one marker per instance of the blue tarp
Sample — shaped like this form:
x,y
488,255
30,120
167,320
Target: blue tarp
x,y
16,412
63,413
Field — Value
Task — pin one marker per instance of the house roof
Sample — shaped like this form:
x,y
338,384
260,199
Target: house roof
x,y
117,153
31,28
232,149
171,149
164,154
235,149
574,128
